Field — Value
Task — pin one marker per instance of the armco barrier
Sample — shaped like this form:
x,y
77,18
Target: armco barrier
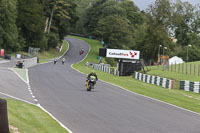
x,y
190,86
28,62
160,81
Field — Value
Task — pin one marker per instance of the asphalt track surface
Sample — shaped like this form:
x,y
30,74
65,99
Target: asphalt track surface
x,y
11,84
108,109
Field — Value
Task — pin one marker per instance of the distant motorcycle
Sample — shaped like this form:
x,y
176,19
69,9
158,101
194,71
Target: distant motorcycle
x,y
81,52
63,61
90,83
55,61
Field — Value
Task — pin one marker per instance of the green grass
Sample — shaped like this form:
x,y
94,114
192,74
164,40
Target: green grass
x,y
52,53
45,56
31,119
180,98
21,73
178,75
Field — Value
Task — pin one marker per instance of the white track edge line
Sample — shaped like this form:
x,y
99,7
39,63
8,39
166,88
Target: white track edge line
x,y
62,125
17,98
138,93
38,105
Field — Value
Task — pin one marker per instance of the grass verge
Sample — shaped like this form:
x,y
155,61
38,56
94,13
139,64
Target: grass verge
x,y
180,98
45,56
31,119
21,72
52,53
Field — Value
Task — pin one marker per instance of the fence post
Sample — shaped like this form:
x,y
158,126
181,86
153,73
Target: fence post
x,y
186,70
194,69
171,68
190,68
199,70
179,67
4,128
182,68
175,66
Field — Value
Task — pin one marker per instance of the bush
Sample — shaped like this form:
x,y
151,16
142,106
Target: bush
x,y
53,40
111,61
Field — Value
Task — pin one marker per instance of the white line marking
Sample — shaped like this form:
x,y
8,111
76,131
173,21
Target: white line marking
x,y
151,98
27,77
16,98
55,119
35,100
38,105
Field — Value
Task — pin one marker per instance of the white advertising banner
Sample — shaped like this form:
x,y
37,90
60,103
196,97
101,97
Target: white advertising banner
x,y
126,54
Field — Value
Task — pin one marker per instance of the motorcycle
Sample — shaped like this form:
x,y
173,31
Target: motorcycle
x,y
90,83
55,61
81,52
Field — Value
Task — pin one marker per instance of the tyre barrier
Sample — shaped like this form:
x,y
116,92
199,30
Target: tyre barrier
x,y
190,86
160,81
4,128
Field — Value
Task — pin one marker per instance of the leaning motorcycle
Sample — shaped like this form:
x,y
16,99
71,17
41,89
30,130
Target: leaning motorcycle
x,y
90,83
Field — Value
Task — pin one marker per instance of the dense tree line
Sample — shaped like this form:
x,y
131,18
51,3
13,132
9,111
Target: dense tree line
x,y
119,23
36,23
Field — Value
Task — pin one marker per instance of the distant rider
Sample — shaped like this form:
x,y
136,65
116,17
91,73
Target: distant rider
x,y
82,51
55,60
63,60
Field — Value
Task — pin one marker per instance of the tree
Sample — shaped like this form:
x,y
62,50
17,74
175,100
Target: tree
x,y
31,21
132,12
99,10
8,28
117,34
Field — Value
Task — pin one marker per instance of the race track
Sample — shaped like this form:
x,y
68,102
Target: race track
x,y
108,109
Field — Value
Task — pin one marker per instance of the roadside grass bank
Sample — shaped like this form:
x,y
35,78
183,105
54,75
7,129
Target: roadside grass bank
x,y
31,119
49,55
52,53
177,76
187,100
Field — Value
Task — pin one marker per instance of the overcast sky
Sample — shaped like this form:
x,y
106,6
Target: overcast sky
x,y
143,4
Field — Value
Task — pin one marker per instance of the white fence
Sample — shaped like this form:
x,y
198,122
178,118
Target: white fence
x,y
103,67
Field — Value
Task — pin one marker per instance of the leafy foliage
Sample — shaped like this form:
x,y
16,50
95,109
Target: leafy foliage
x,y
116,35
8,29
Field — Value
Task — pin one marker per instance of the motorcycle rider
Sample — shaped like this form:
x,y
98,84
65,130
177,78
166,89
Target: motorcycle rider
x,y
92,74
82,51
63,60
55,60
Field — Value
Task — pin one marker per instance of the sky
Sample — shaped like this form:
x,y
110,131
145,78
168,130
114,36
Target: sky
x,y
143,4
